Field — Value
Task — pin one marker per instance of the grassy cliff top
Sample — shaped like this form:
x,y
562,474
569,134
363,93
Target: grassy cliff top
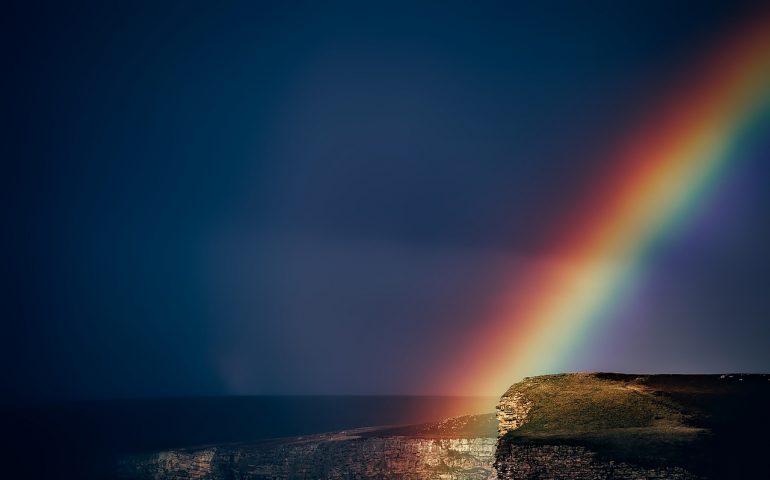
x,y
645,419
577,403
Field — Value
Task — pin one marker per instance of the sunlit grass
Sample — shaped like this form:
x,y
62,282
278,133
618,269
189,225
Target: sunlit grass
x,y
618,417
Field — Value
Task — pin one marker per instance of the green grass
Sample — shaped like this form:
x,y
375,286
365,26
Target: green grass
x,y
577,403
617,416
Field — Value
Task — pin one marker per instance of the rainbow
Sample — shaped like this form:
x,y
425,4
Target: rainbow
x,y
660,177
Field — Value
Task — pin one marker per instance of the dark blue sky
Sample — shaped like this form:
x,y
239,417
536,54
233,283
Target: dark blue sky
x,y
298,197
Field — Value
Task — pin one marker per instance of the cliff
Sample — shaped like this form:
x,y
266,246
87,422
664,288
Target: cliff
x,y
608,426
571,426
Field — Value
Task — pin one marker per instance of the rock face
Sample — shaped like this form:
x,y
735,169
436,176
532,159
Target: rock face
x,y
512,411
574,462
430,452
614,426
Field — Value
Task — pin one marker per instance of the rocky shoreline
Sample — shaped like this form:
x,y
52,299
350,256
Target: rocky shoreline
x,y
461,448
600,426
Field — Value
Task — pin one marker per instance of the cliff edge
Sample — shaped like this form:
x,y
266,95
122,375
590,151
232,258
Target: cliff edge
x,y
607,426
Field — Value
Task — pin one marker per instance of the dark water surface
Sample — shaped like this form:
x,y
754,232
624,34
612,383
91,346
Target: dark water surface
x,y
81,439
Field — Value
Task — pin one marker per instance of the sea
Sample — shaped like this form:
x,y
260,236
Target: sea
x,y
86,437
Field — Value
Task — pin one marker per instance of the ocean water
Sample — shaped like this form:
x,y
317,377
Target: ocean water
x,y
84,438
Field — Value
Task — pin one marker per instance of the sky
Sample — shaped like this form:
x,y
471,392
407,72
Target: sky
x,y
328,197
